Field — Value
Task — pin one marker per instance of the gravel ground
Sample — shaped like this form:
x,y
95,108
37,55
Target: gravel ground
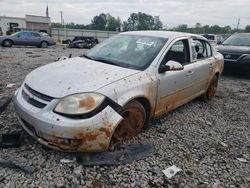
x,y
203,139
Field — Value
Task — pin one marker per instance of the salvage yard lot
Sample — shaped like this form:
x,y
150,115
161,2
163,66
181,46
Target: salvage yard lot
x,y
203,139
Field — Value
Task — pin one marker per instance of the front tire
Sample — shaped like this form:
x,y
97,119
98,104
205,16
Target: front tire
x,y
134,116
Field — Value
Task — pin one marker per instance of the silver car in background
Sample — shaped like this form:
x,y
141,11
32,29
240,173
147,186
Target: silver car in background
x,y
109,94
27,38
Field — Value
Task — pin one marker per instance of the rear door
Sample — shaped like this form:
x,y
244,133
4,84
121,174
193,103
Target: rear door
x,y
203,64
34,39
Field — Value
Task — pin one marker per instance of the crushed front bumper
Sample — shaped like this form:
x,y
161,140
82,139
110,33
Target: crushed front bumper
x,y
62,133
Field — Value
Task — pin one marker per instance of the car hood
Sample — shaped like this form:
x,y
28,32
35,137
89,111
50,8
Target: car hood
x,y
74,75
234,49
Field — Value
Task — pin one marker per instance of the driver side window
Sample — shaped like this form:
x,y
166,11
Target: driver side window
x,y
178,52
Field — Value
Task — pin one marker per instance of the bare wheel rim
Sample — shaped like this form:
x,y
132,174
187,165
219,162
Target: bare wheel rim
x,y
131,125
212,88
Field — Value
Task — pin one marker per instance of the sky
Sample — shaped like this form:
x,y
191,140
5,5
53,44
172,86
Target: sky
x,y
171,12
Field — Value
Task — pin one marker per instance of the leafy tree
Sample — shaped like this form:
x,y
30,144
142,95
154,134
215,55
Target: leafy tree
x,y
99,22
142,21
247,29
157,24
112,24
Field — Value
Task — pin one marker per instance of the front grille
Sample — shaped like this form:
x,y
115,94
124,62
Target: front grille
x,y
38,95
32,101
232,56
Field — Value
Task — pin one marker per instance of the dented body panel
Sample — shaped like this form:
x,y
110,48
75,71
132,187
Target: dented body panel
x,y
56,131
162,91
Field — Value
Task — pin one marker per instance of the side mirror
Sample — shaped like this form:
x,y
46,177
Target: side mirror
x,y
170,66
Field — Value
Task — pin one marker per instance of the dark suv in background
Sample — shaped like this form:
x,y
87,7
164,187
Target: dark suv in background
x,y
27,38
236,52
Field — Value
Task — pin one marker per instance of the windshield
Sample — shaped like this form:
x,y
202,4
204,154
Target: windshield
x,y
14,34
238,40
130,51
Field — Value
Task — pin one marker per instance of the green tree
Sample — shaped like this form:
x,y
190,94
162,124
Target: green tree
x,y
112,24
142,21
99,22
247,29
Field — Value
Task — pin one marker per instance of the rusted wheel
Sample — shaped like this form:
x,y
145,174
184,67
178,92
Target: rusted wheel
x,y
134,116
212,88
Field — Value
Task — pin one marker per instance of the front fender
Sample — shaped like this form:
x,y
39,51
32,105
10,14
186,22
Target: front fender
x,y
140,85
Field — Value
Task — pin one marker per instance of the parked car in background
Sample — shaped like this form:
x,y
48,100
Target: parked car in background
x,y
110,93
236,52
27,38
214,39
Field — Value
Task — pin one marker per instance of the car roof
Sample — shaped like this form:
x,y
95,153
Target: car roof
x,y
165,34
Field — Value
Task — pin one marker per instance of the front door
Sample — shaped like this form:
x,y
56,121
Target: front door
x,y
22,38
175,87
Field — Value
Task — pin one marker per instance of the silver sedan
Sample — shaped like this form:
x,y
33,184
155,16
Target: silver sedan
x,y
109,94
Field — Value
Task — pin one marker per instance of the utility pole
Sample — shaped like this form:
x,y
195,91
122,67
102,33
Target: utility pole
x,y
238,24
61,12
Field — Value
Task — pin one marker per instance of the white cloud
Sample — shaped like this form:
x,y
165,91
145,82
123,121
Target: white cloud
x,y
171,12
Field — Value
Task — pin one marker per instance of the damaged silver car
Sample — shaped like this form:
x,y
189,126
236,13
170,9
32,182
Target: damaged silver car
x,y
111,92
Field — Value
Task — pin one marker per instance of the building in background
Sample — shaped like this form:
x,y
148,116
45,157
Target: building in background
x,y
38,23
9,25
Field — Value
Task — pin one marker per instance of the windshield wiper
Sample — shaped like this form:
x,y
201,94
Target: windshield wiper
x,y
86,57
105,61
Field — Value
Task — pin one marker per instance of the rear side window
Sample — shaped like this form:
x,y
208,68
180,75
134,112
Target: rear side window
x,y
35,34
203,49
24,34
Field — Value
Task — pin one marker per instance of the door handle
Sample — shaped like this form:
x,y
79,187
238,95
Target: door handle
x,y
189,73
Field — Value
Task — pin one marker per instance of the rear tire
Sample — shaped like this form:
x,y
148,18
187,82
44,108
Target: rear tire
x,y
211,90
44,44
7,43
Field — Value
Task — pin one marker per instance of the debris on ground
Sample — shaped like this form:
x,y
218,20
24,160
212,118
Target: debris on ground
x,y
4,102
13,165
10,85
128,154
223,144
67,160
11,140
242,160
83,42
171,171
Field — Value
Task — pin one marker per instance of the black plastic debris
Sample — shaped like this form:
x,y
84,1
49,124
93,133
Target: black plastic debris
x,y
4,102
83,42
13,165
129,154
11,140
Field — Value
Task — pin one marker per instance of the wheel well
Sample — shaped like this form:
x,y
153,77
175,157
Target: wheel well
x,y
145,103
44,41
217,74
9,40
